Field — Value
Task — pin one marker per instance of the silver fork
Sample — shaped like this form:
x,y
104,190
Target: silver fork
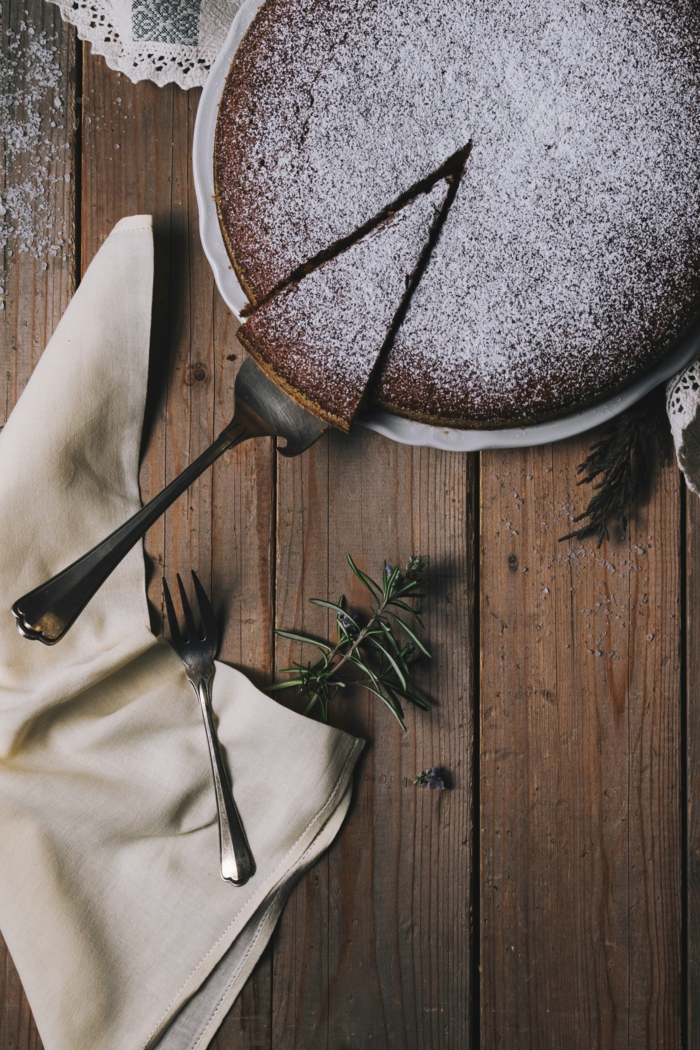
x,y
197,654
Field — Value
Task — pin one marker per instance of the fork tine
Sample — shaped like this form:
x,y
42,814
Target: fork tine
x,y
172,618
189,618
211,631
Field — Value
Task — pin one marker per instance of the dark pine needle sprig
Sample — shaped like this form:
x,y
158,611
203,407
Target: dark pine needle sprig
x,y
623,465
372,652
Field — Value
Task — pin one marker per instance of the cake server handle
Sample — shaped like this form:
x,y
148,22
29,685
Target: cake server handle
x,y
47,612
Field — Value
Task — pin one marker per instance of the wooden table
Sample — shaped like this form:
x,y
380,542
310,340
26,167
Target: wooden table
x,y
551,898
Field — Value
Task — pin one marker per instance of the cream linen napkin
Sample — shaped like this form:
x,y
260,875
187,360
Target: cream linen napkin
x,y
111,902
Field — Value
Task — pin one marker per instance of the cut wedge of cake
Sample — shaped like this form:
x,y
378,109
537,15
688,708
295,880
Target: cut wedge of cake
x,y
320,337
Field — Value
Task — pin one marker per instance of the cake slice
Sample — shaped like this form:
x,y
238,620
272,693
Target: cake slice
x,y
320,337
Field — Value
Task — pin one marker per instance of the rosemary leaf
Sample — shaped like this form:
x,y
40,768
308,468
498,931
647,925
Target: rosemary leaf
x,y
411,634
304,640
368,582
327,605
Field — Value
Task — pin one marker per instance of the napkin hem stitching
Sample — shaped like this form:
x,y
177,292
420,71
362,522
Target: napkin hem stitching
x,y
314,820
217,1006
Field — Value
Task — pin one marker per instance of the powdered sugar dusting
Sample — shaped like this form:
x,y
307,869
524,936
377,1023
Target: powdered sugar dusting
x,y
589,184
359,114
323,335
568,264
33,108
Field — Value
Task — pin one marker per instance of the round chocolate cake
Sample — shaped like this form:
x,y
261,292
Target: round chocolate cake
x,y
567,263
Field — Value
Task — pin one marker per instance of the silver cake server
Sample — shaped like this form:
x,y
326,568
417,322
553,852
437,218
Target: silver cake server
x,y
261,409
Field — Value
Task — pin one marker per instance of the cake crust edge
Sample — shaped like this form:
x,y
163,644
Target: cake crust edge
x,y
301,399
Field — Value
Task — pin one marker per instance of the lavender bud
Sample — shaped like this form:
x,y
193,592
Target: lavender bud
x,y
433,777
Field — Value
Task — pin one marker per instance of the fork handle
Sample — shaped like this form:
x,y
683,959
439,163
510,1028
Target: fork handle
x,y
47,612
237,864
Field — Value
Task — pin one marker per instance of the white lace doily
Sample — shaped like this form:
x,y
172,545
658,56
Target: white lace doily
x,y
161,40
683,405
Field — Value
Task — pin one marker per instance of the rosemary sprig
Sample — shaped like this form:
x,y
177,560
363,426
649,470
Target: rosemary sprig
x,y
371,654
624,459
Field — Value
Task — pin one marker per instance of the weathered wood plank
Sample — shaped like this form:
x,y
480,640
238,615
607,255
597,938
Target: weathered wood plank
x,y
580,731
691,613
300,946
373,949
656,754
38,124
137,149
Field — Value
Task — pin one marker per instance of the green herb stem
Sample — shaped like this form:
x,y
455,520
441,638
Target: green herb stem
x,y
380,660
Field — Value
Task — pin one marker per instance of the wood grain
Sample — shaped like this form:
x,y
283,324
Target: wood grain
x,y
580,729
691,757
373,949
136,159
36,285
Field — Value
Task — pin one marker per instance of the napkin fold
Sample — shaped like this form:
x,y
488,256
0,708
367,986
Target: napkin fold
x,y
111,903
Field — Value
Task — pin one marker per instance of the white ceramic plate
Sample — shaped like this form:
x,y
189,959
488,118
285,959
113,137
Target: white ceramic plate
x,y
402,430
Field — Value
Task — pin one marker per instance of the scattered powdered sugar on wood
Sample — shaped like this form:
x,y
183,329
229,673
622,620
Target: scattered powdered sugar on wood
x,y
33,113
